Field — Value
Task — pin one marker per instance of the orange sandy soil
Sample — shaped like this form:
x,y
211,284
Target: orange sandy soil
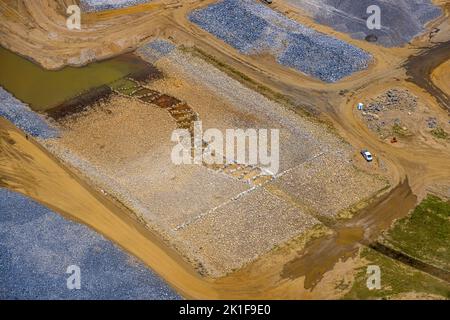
x,y
441,77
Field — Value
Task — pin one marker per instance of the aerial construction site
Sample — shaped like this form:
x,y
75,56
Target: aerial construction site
x,y
224,149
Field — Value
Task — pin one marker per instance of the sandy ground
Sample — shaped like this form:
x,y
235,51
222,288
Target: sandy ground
x,y
27,25
441,76
423,164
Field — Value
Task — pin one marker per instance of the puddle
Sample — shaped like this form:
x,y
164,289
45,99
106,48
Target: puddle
x,y
322,254
45,89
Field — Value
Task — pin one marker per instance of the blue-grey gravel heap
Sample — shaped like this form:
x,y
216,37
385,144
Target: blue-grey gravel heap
x,y
253,28
37,245
401,20
100,5
155,50
23,117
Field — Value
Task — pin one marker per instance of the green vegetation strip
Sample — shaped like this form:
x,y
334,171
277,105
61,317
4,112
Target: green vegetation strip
x,y
425,234
420,240
440,133
397,279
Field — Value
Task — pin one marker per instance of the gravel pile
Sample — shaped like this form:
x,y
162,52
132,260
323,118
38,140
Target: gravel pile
x,y
432,122
37,245
155,50
393,99
253,28
100,5
23,117
401,19
206,214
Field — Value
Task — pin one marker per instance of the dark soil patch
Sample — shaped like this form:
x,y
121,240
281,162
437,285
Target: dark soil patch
x,y
415,263
166,101
145,71
420,67
79,103
371,38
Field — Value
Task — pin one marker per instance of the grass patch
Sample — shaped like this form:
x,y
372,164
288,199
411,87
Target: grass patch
x,y
124,86
400,131
440,133
396,278
424,234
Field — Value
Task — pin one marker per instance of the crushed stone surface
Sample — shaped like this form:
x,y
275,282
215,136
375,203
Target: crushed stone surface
x,y
401,20
37,246
254,28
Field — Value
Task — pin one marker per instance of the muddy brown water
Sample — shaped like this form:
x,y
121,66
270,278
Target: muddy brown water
x,y
322,254
47,89
419,69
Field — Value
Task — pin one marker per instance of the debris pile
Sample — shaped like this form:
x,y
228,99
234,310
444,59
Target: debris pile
x,y
384,113
432,122
397,113
393,99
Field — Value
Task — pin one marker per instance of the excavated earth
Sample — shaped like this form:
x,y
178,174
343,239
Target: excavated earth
x,y
199,208
226,231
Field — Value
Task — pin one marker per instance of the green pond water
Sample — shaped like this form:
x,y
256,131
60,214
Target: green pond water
x,y
44,89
